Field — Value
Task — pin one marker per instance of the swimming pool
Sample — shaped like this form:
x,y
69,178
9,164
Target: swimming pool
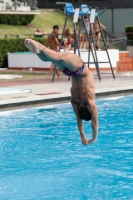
x,y
41,156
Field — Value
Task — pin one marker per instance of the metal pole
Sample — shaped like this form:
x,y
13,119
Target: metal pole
x,y
54,73
63,32
112,20
76,44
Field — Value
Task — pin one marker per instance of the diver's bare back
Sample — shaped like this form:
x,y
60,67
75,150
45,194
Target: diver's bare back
x,y
86,86
83,87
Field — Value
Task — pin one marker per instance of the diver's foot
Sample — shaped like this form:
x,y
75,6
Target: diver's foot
x,y
59,77
33,45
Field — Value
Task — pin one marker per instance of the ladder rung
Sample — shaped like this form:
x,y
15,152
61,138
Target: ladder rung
x,y
103,62
94,62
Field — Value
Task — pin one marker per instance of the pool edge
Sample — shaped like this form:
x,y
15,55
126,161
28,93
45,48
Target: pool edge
x,y
63,99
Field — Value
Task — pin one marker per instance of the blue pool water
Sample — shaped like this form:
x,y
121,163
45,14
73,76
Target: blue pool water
x,y
41,155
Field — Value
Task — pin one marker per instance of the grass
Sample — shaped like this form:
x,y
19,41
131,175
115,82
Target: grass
x,y
45,21
49,18
9,29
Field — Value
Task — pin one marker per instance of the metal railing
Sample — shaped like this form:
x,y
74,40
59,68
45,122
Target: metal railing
x,y
106,33
19,35
25,35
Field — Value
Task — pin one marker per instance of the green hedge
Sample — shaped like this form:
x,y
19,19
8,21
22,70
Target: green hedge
x,y
16,19
129,32
12,46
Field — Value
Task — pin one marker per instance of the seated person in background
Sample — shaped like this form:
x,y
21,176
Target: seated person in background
x,y
97,32
68,39
39,33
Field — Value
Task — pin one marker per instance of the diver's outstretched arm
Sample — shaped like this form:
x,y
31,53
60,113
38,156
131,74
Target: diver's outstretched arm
x,y
94,118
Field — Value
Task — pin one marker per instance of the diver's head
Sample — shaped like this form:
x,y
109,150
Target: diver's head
x,y
84,114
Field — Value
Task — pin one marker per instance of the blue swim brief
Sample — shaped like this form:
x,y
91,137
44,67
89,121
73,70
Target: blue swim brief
x,y
67,72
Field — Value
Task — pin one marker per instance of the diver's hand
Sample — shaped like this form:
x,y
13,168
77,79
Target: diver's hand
x,y
91,141
84,140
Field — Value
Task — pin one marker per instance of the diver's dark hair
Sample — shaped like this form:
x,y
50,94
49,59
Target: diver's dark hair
x,y
55,26
84,114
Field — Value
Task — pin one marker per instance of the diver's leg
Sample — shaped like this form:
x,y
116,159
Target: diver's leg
x,y
42,57
60,59
38,48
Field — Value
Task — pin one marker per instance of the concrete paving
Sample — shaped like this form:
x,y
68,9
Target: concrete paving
x,y
44,91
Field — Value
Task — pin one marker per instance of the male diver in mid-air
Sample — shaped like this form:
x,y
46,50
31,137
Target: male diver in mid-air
x,y
83,87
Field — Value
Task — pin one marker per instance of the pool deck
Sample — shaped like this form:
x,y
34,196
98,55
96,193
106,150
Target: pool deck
x,y
46,92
